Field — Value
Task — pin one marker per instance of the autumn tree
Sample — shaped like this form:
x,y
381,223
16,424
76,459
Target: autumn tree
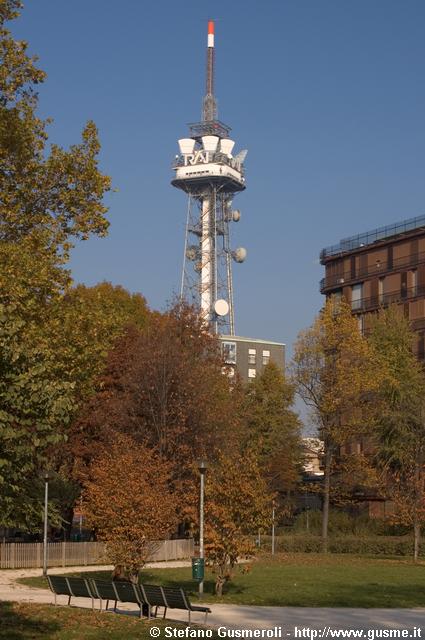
x,y
163,386
273,428
49,198
237,504
128,502
338,375
400,437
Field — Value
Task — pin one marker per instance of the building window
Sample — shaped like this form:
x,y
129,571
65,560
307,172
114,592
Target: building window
x,y
229,352
252,373
266,357
251,356
356,296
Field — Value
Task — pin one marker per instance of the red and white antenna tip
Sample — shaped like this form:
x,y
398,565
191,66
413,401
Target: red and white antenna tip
x,y
210,33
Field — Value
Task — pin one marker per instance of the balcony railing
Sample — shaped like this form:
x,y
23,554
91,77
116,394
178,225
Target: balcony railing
x,y
385,299
364,239
404,262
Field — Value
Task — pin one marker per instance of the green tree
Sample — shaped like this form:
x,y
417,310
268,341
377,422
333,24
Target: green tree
x,y
400,437
53,196
83,326
274,428
338,375
35,407
49,198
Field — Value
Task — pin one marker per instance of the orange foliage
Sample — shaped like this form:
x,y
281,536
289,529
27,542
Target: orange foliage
x,y
164,387
128,501
237,504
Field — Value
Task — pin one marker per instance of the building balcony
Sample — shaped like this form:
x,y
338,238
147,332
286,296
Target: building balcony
x,y
383,300
381,268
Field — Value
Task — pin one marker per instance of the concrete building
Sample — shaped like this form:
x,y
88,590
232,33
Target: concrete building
x,y
378,268
249,356
313,450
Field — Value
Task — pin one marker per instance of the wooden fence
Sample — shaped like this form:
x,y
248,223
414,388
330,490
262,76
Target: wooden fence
x,y
23,555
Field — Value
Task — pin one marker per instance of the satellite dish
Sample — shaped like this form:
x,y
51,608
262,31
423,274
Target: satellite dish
x,y
239,254
236,215
192,252
221,307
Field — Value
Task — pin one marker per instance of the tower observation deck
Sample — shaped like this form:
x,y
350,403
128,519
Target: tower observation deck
x,y
210,175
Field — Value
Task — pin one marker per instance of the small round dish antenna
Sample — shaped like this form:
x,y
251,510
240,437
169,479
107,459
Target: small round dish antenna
x,y
221,307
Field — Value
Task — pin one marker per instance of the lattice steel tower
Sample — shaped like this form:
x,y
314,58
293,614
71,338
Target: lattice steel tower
x,y
207,171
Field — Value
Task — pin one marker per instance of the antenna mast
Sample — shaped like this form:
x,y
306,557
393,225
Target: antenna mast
x,y
209,108
208,172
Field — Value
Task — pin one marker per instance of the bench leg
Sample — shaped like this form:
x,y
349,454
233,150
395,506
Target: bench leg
x,y
69,600
56,599
189,617
115,605
165,611
92,604
107,605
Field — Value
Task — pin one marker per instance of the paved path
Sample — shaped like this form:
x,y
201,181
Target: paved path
x,y
235,616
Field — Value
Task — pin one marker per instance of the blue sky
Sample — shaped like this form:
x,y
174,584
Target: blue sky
x,y
327,95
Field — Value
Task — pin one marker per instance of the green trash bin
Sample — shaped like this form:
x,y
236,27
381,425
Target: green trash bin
x,y
198,569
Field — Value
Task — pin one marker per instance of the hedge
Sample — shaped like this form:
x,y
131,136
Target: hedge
x,y
368,545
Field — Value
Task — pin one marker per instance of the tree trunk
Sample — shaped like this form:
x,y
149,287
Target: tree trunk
x,y
326,494
219,585
419,489
417,538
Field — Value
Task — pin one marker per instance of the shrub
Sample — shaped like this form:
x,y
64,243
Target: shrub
x,y
357,545
340,523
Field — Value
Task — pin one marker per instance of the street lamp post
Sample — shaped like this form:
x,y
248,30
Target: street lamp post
x,y
46,502
202,466
273,529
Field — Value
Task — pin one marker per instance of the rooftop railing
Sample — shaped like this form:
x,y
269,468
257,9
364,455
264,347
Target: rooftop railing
x,y
364,239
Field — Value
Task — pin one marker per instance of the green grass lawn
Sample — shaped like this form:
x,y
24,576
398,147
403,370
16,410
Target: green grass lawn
x,y
22,621
306,580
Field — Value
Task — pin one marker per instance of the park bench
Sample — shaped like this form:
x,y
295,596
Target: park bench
x,y
154,597
129,592
146,596
71,587
105,590
177,599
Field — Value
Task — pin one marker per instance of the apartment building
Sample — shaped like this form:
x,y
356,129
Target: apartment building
x,y
378,268
249,356
373,270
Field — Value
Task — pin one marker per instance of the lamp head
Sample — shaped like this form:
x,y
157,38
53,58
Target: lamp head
x,y
202,466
